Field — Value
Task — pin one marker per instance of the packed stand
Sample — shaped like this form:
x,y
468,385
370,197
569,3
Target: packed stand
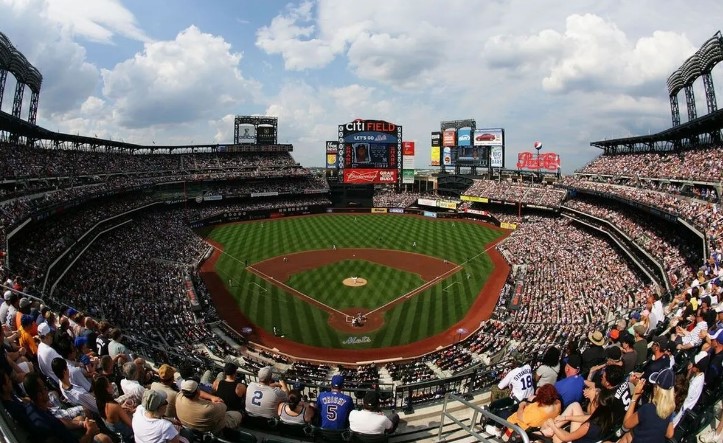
x,y
531,194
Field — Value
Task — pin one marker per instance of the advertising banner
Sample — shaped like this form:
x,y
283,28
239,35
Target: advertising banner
x,y
447,159
505,225
331,161
430,214
370,176
246,134
488,137
464,137
472,155
379,210
474,198
436,139
408,176
548,161
265,135
449,137
434,161
408,162
408,148
476,212
426,202
447,204
331,147
396,210
496,157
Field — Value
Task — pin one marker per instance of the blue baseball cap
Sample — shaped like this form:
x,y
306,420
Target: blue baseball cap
x,y
337,381
665,379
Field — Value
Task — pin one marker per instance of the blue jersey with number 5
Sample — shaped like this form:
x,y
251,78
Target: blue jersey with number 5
x,y
334,409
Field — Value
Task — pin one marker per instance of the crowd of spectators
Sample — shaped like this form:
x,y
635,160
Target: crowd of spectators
x,y
700,164
388,198
527,193
671,251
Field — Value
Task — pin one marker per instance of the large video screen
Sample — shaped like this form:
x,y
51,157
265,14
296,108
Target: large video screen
x,y
370,155
370,151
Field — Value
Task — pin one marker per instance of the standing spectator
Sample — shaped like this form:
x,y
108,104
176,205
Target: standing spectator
x,y
149,426
371,420
202,415
263,397
335,406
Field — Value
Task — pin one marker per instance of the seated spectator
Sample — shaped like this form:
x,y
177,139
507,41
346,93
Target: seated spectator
x,y
371,420
114,416
74,394
149,426
263,397
295,410
335,406
132,390
230,389
42,425
46,353
696,376
653,421
202,415
570,387
548,371
545,405
166,374
592,427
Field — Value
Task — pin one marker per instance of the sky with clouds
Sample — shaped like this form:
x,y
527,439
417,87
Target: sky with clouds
x,y
177,72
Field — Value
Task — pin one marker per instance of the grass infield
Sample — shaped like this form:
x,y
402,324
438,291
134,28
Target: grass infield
x,y
426,314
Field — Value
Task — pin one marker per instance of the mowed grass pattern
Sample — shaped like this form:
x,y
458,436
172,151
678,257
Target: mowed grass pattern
x,y
424,315
326,284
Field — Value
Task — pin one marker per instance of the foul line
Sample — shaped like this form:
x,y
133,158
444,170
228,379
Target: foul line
x,y
430,283
278,283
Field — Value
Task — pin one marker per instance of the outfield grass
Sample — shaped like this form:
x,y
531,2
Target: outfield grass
x,y
384,284
424,315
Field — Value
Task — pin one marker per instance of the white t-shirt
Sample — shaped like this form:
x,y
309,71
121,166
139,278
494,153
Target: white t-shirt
x,y
46,354
368,422
151,430
520,380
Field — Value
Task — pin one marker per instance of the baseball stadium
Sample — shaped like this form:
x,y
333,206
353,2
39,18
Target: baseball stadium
x,y
447,303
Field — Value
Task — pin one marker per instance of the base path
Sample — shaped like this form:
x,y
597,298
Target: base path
x,y
278,269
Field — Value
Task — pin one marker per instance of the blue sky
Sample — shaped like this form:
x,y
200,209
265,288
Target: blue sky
x,y
174,72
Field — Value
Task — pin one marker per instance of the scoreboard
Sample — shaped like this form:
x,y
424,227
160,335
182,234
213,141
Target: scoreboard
x,y
369,152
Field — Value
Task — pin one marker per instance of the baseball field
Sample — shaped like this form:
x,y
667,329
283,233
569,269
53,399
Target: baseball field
x,y
408,278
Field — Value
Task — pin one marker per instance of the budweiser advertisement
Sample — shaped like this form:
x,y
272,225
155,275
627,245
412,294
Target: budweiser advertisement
x,y
370,176
548,161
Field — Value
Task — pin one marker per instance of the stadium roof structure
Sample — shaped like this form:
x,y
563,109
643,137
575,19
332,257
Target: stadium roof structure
x,y
703,130
36,135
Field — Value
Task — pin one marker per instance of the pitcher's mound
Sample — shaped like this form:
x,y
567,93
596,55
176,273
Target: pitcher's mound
x,y
355,281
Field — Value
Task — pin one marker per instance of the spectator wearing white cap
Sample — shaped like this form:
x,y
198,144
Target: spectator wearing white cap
x,y
46,353
7,301
202,415
148,423
263,397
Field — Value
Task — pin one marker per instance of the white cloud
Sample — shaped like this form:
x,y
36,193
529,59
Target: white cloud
x,y
170,82
97,20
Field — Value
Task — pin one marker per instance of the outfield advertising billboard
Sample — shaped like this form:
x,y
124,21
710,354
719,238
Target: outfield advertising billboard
x,y
434,160
449,137
497,158
489,137
370,151
464,137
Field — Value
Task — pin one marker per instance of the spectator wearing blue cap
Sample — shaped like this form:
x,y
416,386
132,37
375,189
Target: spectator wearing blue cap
x,y
25,336
652,421
334,406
